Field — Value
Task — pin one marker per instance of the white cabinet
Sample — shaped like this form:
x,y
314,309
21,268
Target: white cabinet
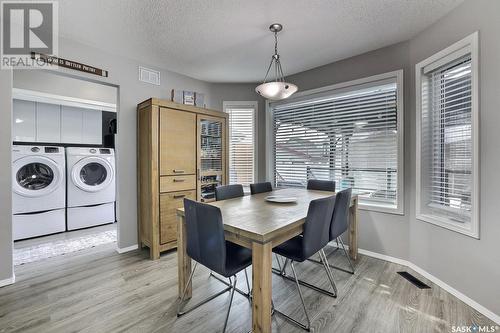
x,y
24,120
92,127
48,123
52,123
79,125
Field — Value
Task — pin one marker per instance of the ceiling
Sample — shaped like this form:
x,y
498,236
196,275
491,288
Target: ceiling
x,y
229,40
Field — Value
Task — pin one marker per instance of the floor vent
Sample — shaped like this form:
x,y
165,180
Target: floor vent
x,y
416,282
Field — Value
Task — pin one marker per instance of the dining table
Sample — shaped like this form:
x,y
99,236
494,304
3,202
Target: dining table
x,y
257,224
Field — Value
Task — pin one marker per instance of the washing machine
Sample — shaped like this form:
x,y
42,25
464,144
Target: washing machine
x,y
38,191
91,189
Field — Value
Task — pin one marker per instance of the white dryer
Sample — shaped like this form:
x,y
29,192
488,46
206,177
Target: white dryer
x,y
38,191
91,189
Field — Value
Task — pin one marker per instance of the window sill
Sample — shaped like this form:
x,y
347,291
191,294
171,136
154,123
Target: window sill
x,y
466,229
386,209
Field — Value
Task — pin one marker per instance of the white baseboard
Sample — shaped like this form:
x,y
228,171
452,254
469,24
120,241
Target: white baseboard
x,y
127,249
8,281
467,300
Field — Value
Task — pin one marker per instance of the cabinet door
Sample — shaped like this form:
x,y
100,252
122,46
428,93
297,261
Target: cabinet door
x,y
48,122
71,124
211,155
169,202
23,121
177,142
92,126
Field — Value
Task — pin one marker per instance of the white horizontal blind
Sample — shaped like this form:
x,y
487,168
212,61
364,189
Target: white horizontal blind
x,y
350,138
241,144
450,135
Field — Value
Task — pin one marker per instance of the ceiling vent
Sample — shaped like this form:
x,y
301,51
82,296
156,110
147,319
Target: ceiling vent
x,y
149,76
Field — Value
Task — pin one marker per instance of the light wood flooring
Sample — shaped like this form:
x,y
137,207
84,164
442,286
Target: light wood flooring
x,y
101,291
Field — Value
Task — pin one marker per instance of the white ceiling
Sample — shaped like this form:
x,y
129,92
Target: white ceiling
x,y
229,40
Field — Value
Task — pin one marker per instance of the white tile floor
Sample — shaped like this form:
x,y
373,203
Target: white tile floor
x,y
40,248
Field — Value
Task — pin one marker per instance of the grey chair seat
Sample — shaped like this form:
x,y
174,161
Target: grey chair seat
x,y
237,259
291,249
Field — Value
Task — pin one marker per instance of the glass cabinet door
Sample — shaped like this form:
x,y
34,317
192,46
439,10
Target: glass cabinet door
x,y
211,156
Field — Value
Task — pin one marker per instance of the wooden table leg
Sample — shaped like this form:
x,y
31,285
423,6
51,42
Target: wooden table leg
x,y
262,287
353,229
183,260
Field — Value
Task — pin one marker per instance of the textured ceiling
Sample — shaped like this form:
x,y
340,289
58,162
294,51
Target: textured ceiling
x,y
229,41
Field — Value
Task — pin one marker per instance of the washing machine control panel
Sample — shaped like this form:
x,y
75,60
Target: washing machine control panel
x,y
35,149
93,151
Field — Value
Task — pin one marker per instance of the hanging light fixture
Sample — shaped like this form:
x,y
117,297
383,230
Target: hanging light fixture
x,y
277,89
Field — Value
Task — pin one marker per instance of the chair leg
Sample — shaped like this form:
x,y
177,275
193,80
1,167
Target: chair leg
x,y
328,271
346,254
180,308
230,303
278,261
301,325
238,290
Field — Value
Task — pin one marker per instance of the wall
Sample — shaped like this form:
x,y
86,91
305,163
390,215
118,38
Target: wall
x,y
469,265
48,82
6,271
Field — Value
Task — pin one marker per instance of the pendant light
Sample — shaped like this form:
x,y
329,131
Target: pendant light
x,y
277,89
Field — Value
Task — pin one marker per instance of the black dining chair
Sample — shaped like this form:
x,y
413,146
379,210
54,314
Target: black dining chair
x,y
226,192
260,188
207,246
312,241
321,185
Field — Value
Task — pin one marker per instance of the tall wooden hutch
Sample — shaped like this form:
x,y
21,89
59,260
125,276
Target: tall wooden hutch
x,y
182,153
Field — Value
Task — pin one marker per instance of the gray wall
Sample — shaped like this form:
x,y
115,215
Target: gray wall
x,y
5,185
48,82
468,265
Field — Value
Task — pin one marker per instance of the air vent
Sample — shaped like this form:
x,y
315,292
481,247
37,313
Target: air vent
x,y
149,76
416,282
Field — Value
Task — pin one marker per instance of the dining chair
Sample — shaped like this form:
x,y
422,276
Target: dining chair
x,y
312,241
206,245
321,185
260,188
226,192
340,224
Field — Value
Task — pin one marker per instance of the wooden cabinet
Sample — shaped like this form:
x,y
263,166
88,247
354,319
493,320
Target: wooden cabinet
x,y
182,153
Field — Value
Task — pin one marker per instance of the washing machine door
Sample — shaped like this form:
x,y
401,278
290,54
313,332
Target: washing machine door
x,y
92,174
35,176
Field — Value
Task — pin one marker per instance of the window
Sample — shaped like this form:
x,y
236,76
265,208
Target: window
x,y
242,145
350,133
447,145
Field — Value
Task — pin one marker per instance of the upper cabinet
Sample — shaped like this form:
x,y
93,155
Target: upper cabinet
x,y
52,123
177,142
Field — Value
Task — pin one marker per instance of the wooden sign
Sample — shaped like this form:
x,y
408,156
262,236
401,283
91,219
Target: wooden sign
x,y
69,64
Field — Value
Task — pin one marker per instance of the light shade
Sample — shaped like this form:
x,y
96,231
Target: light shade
x,y
276,90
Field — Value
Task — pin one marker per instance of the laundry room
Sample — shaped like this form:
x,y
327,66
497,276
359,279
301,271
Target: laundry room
x,y
63,165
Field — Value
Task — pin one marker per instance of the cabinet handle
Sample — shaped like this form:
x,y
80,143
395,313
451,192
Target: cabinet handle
x,y
178,196
179,180
178,171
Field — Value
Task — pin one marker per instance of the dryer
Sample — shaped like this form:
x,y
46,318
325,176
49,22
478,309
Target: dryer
x,y
91,187
38,191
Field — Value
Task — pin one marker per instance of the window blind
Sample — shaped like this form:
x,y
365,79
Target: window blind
x,y
350,138
449,132
241,145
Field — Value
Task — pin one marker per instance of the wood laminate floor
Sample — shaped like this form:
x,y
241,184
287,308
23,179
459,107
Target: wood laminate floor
x,y
102,291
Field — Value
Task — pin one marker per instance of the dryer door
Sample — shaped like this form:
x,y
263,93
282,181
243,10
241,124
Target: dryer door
x,y
92,174
35,176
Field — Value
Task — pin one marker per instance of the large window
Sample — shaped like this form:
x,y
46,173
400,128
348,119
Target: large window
x,y
242,145
446,143
350,133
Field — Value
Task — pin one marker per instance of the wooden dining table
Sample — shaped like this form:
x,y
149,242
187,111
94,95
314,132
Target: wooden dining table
x,y
259,225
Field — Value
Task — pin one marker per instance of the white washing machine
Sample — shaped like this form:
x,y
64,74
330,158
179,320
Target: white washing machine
x,y
91,189
38,191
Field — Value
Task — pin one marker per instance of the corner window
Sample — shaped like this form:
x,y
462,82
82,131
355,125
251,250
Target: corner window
x,y
350,133
242,141
447,145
